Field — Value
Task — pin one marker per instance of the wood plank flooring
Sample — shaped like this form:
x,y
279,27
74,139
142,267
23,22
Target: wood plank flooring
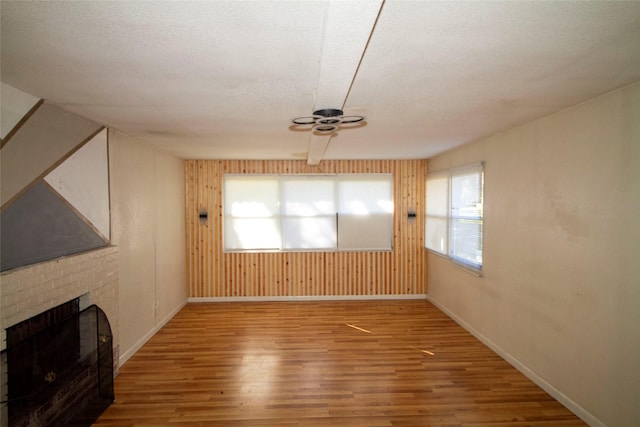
x,y
368,363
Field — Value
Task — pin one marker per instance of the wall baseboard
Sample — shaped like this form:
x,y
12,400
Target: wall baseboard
x,y
574,407
142,341
307,298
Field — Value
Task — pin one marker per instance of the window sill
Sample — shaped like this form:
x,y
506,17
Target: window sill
x,y
287,251
470,270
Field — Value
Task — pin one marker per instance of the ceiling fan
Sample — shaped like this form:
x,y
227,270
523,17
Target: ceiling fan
x,y
327,120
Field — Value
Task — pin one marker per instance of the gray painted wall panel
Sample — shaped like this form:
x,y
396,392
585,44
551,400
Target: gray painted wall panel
x,y
41,226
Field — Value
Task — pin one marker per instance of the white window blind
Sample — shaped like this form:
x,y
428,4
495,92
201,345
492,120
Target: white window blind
x,y
365,212
454,214
437,212
251,213
466,215
308,212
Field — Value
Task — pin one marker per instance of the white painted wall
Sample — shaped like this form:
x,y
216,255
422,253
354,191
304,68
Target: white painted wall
x,y
147,200
52,133
560,292
83,180
170,235
14,104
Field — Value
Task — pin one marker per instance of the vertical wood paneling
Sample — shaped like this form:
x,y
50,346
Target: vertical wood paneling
x,y
213,273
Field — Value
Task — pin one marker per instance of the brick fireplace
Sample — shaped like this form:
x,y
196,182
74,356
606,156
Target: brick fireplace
x,y
60,367
26,292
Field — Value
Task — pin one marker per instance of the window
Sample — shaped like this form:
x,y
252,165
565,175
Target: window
x,y
308,212
454,214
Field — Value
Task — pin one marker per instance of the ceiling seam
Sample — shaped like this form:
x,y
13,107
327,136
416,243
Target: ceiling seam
x,y
364,51
320,62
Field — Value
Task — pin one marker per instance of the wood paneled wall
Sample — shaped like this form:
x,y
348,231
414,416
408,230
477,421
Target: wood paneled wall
x,y
212,273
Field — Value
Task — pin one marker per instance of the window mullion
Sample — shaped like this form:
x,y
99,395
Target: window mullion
x,y
336,204
281,213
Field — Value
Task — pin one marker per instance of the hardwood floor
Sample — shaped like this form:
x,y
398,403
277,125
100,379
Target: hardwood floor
x,y
369,363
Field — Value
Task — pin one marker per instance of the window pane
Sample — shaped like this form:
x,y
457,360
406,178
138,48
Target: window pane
x,y
365,194
308,212
309,232
438,194
466,193
251,233
466,215
251,213
365,232
437,212
466,241
251,196
436,234
308,197
365,207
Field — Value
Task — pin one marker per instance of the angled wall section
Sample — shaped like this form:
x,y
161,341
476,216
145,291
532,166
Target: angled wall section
x,y
55,186
83,181
15,106
40,226
49,136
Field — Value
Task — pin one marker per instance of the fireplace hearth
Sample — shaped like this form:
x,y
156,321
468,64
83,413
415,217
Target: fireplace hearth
x,y
59,367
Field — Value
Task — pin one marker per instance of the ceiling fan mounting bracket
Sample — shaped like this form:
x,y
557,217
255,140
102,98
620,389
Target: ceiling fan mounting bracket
x,y
328,112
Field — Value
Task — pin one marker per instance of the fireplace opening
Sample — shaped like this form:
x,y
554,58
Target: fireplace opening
x,y
59,367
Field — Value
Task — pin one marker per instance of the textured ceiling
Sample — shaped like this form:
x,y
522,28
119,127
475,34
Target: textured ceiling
x,y
222,80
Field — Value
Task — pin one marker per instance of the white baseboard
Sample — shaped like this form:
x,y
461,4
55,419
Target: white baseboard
x,y
578,410
142,341
308,298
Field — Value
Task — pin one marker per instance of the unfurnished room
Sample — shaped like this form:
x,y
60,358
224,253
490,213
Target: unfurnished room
x,y
320,213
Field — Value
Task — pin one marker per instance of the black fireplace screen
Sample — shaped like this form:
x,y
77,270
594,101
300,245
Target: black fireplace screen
x,y
60,368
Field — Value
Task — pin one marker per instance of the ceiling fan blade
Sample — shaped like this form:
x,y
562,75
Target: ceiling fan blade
x,y
352,119
306,120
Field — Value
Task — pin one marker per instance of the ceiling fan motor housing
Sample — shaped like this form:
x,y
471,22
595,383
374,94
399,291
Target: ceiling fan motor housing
x,y
326,119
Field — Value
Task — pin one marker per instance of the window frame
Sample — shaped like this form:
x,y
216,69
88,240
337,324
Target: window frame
x,y
434,215
281,217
